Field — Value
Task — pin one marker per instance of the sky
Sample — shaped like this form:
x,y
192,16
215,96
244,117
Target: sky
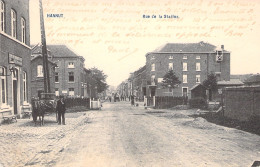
x,y
115,35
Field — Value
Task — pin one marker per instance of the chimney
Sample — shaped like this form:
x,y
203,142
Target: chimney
x,y
222,47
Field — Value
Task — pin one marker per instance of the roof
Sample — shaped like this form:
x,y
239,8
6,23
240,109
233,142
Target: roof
x,y
57,50
241,77
197,85
187,47
252,79
40,56
231,82
61,51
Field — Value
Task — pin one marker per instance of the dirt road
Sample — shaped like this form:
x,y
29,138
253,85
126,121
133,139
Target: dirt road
x,y
121,135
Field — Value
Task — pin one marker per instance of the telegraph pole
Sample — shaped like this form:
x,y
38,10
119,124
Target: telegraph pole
x,y
44,53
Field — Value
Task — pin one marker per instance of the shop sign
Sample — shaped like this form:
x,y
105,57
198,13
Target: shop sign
x,y
12,59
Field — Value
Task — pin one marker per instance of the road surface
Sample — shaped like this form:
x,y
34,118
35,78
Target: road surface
x,y
123,135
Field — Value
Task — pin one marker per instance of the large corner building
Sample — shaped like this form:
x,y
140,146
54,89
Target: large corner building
x,y
191,62
15,54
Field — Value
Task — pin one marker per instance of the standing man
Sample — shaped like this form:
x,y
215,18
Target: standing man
x,y
61,110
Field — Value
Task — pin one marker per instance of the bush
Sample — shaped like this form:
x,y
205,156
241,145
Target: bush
x,y
198,103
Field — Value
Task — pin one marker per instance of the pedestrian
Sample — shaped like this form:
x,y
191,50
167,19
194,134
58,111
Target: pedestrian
x,y
132,100
61,108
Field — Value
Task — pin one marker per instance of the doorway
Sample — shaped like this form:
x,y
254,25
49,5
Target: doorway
x,y
15,96
153,92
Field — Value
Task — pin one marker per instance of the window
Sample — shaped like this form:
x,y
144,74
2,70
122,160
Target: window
x,y
56,77
152,57
39,71
171,57
185,57
197,78
197,66
185,80
153,67
160,80
23,30
57,92
184,67
197,57
71,65
2,16
71,76
170,66
2,86
153,79
13,23
71,91
25,86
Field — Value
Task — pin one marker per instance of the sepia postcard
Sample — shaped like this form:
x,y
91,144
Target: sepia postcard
x,y
129,83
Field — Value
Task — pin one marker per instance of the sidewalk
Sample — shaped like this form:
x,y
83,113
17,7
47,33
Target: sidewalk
x,y
24,143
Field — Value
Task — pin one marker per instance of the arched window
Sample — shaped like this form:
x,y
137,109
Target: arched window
x,y
23,30
13,23
39,71
2,16
2,86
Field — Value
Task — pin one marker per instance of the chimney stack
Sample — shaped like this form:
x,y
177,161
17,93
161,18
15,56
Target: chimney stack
x,y
222,47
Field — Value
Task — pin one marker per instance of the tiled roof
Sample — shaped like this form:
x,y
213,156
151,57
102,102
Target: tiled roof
x,y
61,51
254,78
187,47
231,82
57,51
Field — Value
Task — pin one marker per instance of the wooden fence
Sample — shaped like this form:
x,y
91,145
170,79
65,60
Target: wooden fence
x,y
73,102
162,102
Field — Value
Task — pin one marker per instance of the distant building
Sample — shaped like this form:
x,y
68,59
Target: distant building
x,y
254,80
191,62
69,73
15,55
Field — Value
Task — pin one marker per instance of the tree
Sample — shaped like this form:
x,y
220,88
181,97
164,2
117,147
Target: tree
x,y
170,80
211,82
99,79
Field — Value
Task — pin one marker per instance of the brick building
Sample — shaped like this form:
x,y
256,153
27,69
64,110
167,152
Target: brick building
x,y
15,54
69,74
37,81
191,62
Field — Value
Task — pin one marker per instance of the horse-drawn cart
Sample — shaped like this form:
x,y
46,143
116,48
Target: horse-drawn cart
x,y
45,104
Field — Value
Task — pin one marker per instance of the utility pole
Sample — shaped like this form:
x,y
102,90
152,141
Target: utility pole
x,y
44,53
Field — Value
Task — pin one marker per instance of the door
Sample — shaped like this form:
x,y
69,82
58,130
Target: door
x,y
185,92
15,96
152,92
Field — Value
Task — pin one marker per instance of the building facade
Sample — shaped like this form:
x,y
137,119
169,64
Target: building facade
x,y
191,63
15,54
69,73
37,81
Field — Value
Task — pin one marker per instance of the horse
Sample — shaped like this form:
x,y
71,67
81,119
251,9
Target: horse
x,y
38,110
